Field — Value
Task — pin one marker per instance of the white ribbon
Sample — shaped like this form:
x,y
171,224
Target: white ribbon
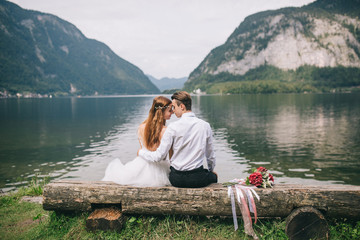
x,y
233,209
249,196
256,195
244,208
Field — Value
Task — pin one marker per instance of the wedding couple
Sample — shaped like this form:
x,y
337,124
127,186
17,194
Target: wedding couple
x,y
169,155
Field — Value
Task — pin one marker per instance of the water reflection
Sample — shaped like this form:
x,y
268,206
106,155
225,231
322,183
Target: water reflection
x,y
297,136
301,138
47,136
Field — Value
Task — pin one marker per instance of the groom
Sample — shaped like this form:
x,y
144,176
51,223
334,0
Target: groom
x,y
192,143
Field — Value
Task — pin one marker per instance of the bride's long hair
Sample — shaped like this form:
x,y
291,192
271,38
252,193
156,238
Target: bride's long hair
x,y
155,122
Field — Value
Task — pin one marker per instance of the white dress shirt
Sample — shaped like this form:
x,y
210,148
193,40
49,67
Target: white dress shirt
x,y
192,141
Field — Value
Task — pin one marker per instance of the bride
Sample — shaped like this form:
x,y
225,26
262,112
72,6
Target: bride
x,y
140,172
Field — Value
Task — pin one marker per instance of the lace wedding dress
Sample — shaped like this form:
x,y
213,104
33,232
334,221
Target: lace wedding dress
x,y
138,172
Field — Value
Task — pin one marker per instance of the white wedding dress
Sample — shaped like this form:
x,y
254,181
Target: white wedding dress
x,y
138,172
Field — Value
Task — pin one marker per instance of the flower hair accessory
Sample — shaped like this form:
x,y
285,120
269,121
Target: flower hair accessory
x,y
159,107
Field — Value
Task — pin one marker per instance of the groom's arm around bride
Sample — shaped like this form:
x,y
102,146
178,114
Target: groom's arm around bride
x,y
192,143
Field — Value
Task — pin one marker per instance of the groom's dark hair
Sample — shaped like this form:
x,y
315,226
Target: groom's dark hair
x,y
184,98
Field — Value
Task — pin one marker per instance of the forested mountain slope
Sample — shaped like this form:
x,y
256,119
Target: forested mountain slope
x,y
42,53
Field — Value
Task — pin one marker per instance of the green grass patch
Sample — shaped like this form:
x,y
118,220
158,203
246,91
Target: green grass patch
x,y
21,220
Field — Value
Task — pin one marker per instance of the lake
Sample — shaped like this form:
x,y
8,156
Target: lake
x,y
300,138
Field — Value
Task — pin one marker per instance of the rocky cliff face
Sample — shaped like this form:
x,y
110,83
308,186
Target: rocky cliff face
x,y
330,44
287,39
42,53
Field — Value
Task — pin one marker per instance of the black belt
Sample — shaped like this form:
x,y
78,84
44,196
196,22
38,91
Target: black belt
x,y
200,169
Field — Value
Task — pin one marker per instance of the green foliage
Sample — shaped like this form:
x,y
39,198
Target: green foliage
x,y
62,226
21,220
348,7
16,220
171,91
344,229
36,186
29,221
7,200
269,79
274,229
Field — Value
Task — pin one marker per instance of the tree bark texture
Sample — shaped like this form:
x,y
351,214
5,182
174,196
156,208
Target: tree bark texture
x,y
280,201
106,219
306,223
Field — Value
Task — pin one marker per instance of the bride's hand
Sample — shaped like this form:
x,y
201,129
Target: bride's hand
x,y
138,152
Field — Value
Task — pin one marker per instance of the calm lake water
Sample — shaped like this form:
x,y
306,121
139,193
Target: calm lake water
x,y
307,138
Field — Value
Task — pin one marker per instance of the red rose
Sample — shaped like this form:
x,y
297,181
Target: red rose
x,y
256,179
271,178
261,169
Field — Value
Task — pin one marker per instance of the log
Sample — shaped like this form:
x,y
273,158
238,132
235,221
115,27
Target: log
x,y
333,200
105,219
306,223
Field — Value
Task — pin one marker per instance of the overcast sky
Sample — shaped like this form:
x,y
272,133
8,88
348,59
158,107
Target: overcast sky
x,y
164,38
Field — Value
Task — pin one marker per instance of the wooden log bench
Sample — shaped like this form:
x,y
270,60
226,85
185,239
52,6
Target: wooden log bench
x,y
335,201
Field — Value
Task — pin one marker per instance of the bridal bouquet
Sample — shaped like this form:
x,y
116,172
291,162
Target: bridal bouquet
x,y
260,178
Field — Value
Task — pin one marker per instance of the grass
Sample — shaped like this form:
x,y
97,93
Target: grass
x,y
23,220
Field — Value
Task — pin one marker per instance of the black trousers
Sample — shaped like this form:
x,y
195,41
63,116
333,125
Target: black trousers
x,y
196,178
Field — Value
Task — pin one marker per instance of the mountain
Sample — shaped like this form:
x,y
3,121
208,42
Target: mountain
x,y
312,48
42,53
168,83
